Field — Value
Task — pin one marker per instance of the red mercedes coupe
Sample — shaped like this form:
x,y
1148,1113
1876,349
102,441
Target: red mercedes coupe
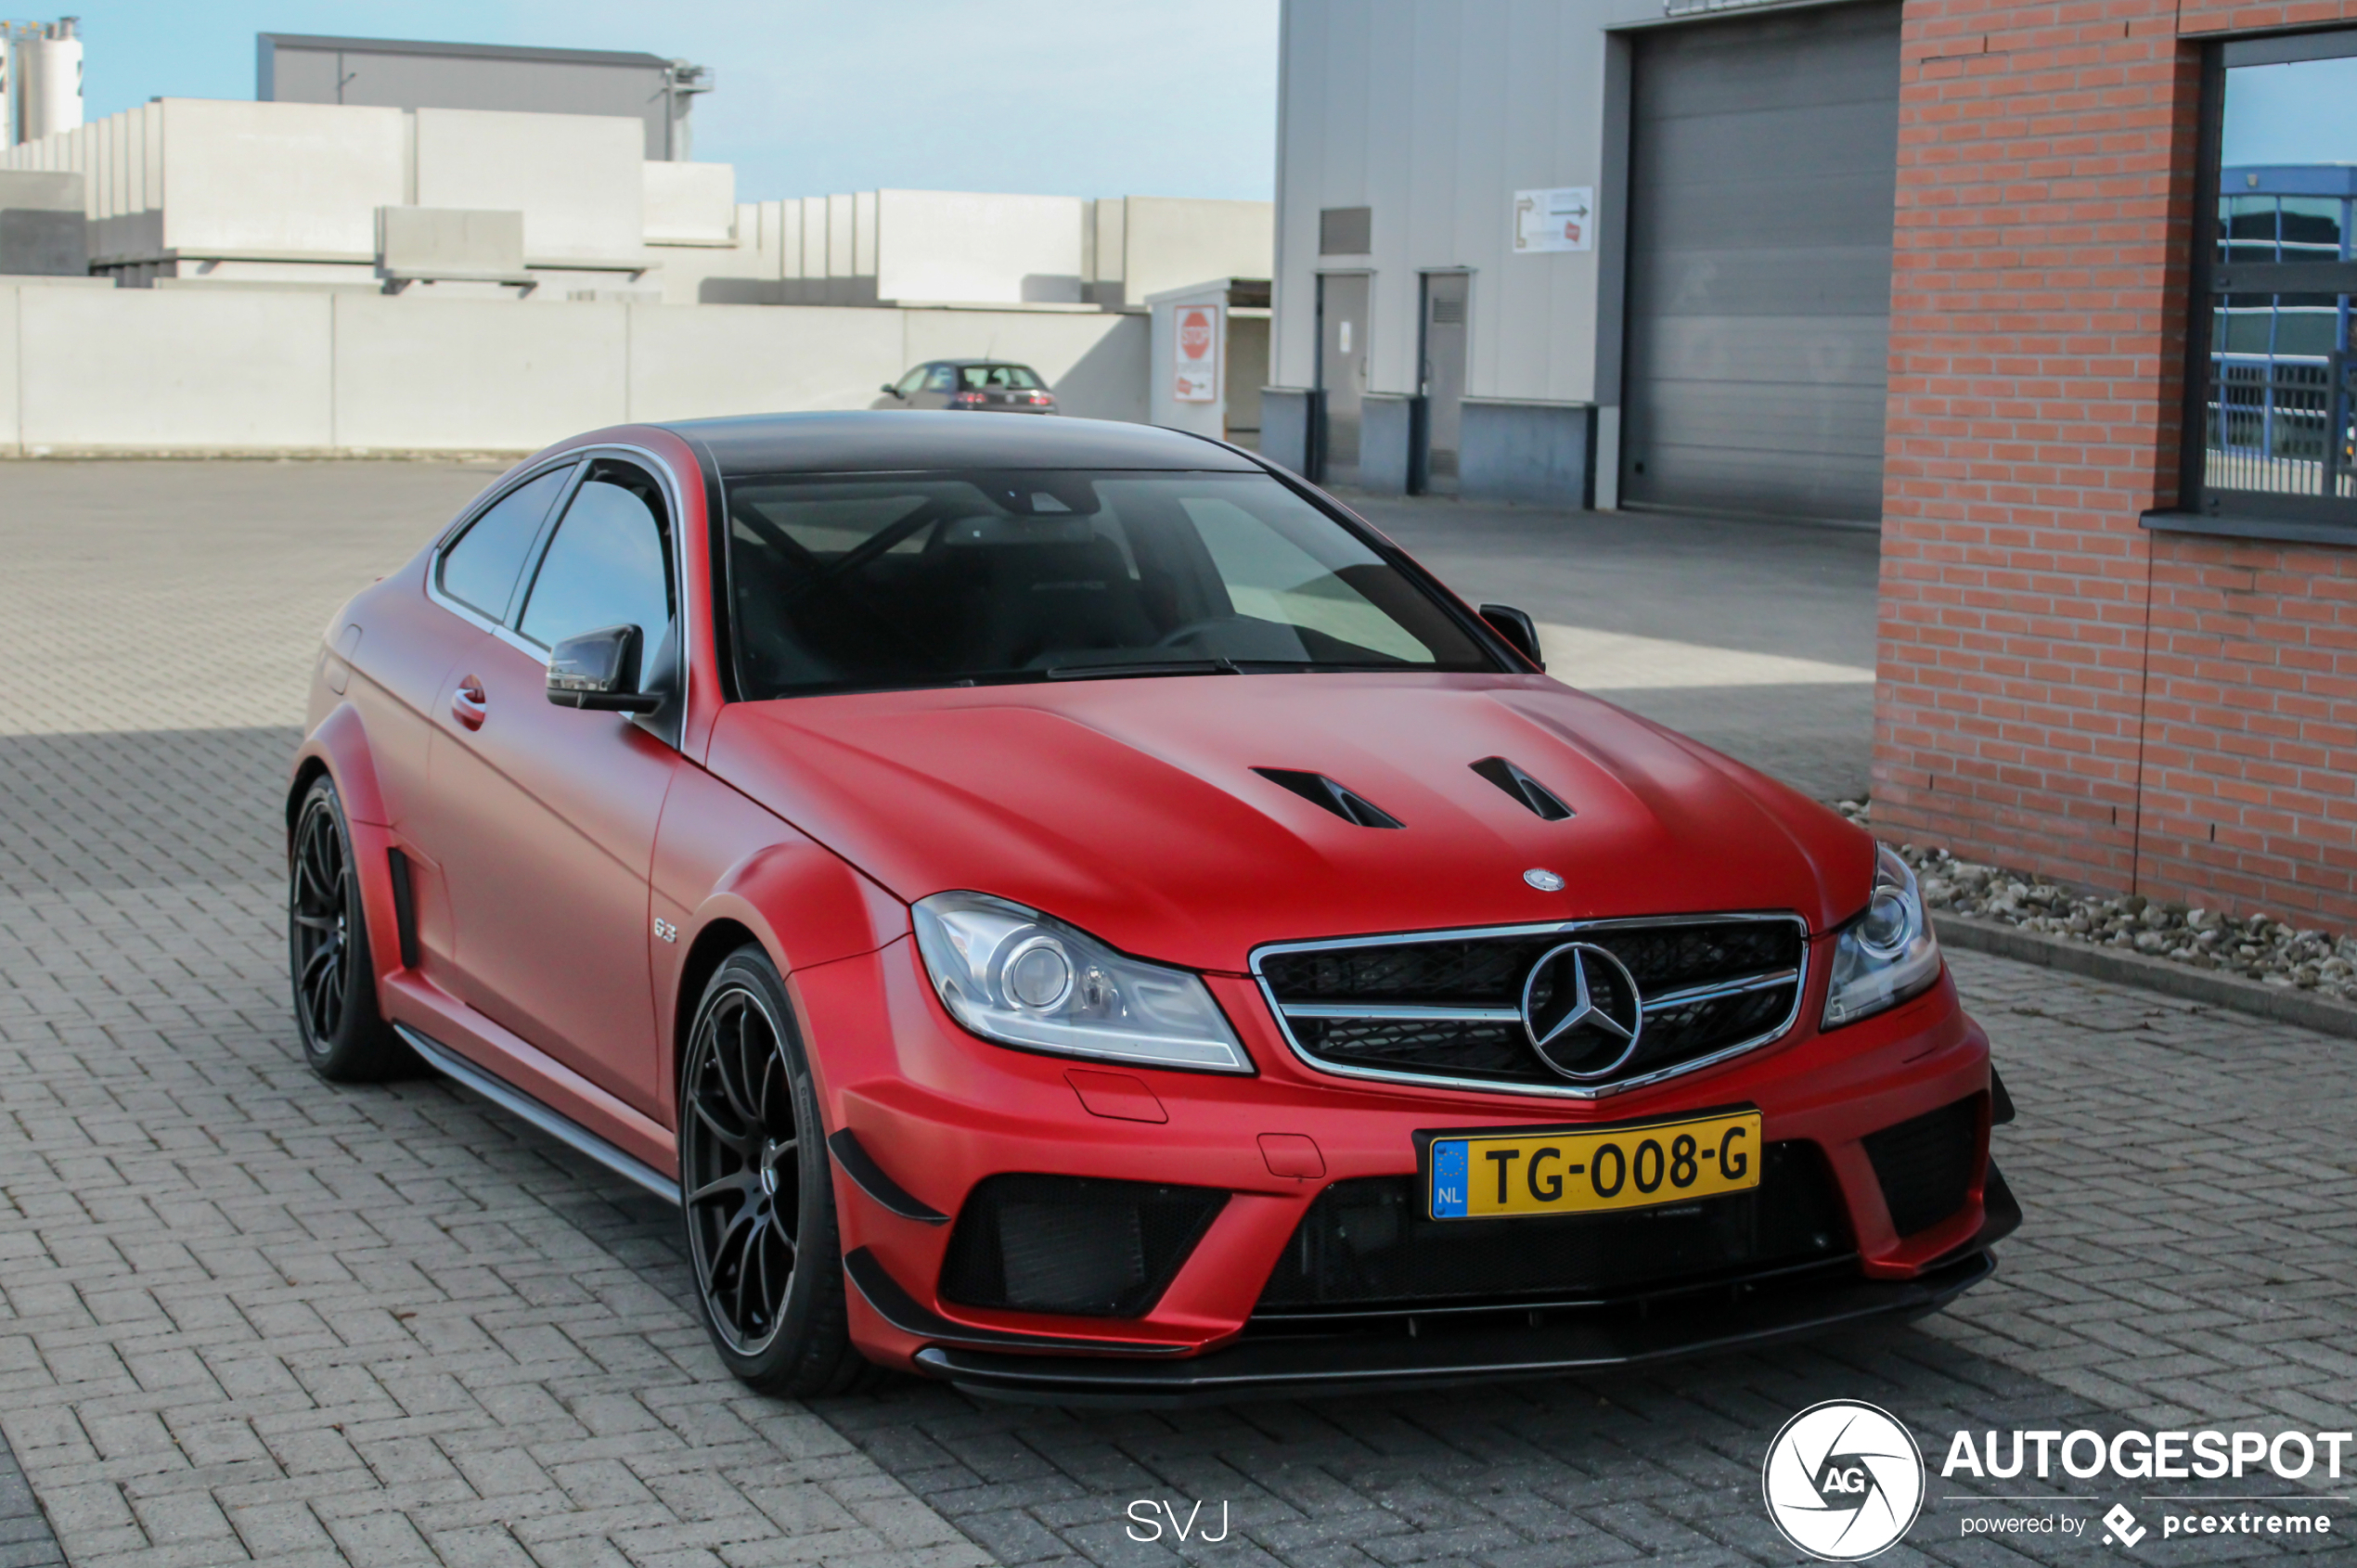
x,y
1066,908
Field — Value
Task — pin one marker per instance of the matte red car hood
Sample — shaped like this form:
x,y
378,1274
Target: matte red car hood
x,y
1130,808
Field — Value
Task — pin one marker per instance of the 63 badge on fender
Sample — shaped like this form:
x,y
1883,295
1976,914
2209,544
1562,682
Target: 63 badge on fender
x,y
1584,1170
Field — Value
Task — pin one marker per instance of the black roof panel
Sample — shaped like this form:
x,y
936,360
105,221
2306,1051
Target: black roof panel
x,y
885,440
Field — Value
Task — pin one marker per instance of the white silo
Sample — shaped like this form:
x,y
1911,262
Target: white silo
x,y
48,78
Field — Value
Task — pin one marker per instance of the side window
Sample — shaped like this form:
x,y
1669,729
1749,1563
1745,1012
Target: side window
x,y
608,565
2272,404
480,569
943,378
911,381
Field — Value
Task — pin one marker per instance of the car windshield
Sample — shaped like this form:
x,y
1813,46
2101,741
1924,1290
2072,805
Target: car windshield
x,y
908,580
998,378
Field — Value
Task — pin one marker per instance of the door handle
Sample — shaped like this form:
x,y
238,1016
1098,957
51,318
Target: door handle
x,y
467,704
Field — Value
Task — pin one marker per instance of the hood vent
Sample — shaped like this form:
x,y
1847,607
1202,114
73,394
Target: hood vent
x,y
1321,791
1522,786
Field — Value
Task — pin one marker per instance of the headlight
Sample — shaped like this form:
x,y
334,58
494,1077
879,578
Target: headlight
x,y
1021,977
1885,955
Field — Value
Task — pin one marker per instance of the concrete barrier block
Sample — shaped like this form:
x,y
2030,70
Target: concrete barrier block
x,y
9,444
475,374
1289,427
443,242
288,180
690,203
1532,452
697,362
1170,243
980,249
1387,432
138,369
576,178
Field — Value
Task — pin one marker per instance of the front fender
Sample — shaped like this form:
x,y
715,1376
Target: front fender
x,y
339,746
804,904
340,742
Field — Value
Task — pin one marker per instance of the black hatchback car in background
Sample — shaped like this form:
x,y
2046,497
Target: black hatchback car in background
x,y
994,386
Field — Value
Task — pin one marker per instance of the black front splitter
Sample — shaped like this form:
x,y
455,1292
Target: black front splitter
x,y
1336,1364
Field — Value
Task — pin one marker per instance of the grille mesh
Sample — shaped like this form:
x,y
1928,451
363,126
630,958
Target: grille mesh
x,y
1488,971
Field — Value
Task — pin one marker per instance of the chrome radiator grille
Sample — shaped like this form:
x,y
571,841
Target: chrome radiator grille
x,y
1450,1005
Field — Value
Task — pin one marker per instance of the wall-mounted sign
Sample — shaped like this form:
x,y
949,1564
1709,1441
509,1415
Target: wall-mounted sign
x,y
1564,219
1197,356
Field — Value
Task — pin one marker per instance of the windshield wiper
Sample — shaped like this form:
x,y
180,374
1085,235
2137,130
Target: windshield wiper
x,y
1144,667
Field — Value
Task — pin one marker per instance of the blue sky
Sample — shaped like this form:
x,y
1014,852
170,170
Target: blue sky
x,y
2297,114
1077,97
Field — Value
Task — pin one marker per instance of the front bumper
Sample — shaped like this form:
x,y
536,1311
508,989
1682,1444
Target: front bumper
x,y
934,1112
1442,1351
1332,1365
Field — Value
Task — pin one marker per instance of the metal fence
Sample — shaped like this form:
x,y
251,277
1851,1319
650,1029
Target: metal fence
x,y
2282,426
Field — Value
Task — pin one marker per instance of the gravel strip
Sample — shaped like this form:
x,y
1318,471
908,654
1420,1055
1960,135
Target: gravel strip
x,y
2256,946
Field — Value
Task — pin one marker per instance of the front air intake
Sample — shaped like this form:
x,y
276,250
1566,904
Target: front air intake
x,y
1522,786
1073,1245
1323,791
1926,1164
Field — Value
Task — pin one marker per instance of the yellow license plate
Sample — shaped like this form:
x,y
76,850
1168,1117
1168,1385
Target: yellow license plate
x,y
1568,1171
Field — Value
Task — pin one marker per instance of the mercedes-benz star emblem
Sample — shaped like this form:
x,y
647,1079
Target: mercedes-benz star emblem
x,y
1582,1010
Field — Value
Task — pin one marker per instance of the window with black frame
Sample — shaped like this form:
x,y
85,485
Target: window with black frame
x,y
2274,383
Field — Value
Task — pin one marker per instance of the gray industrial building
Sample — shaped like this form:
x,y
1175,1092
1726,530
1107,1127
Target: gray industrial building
x,y
395,73
1614,253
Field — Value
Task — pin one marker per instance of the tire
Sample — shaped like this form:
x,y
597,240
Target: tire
x,y
344,1036
756,1191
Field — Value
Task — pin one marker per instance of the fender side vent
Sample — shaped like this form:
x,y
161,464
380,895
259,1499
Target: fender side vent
x,y
1522,786
1321,791
405,907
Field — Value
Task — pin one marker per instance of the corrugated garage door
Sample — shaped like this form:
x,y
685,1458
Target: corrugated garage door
x,y
1762,173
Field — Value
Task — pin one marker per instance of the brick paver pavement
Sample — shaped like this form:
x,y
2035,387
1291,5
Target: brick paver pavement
x,y
245,1315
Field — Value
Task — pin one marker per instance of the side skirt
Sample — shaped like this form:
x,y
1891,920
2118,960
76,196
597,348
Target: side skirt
x,y
450,1064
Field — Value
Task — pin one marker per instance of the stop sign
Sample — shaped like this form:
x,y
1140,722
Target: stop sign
x,y
1194,333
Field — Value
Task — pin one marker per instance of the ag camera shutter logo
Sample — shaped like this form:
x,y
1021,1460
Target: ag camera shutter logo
x,y
1842,1481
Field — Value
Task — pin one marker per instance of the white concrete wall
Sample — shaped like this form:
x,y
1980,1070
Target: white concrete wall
x,y
1173,243
576,177
1434,113
717,360
143,369
965,246
95,369
475,373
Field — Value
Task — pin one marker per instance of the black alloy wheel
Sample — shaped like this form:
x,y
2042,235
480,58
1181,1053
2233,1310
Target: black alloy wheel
x,y
344,1037
757,1192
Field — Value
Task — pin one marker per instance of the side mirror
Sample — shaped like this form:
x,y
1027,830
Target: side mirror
x,y
1519,632
599,670
891,391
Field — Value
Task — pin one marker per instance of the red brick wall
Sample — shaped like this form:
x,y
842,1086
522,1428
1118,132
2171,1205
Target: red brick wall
x,y
2062,690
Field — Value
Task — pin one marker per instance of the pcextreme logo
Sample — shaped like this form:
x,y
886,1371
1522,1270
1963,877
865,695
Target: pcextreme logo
x,y
1842,1481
